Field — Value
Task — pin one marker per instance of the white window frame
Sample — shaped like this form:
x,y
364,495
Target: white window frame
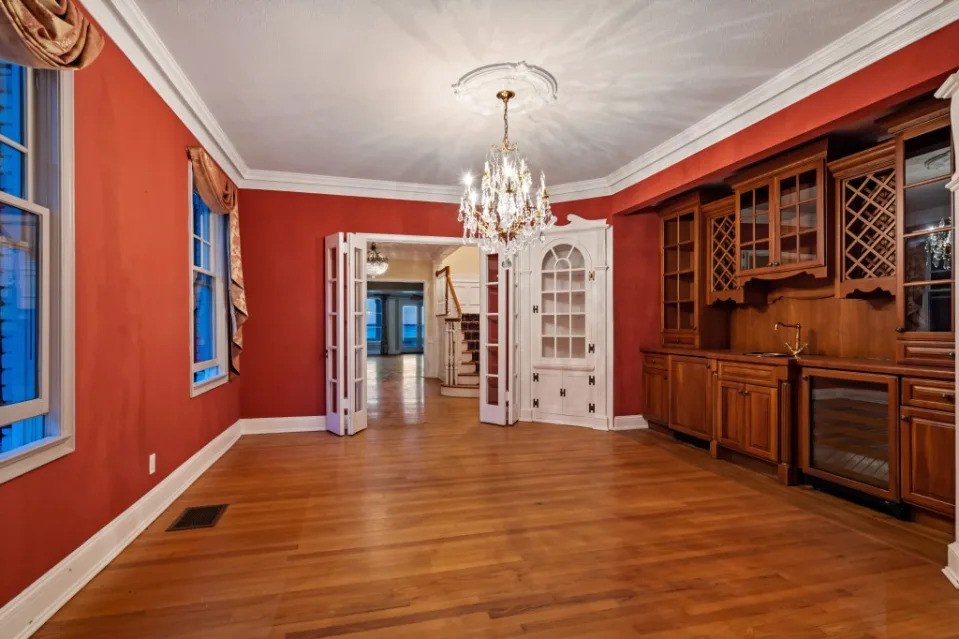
x,y
52,183
218,256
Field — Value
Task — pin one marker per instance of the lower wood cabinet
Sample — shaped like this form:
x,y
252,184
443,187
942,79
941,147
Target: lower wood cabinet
x,y
656,395
690,395
928,465
748,419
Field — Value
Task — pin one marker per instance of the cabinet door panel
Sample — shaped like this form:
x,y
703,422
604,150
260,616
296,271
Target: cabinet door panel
x,y
928,460
690,400
732,414
762,423
547,392
656,396
580,394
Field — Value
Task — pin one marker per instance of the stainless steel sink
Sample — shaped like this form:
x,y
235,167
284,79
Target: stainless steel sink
x,y
767,354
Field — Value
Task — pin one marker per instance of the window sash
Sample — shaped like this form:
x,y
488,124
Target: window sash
x,y
41,404
217,270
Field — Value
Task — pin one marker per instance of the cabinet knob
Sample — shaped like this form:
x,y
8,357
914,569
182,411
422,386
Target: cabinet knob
x,y
900,329
947,396
952,354
904,417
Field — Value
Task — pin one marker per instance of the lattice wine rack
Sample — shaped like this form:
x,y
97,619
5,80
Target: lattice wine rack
x,y
721,225
866,201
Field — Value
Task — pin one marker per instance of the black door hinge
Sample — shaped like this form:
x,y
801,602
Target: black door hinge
x,y
535,403
592,408
562,392
592,380
592,348
535,377
535,308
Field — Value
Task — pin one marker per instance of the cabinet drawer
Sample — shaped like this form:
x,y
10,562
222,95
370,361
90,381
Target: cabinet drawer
x,y
749,373
922,352
679,339
651,360
937,394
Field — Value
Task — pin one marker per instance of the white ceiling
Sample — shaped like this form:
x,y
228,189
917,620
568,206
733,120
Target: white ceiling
x,y
361,88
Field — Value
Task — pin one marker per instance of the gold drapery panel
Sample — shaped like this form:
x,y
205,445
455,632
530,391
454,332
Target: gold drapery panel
x,y
47,34
220,194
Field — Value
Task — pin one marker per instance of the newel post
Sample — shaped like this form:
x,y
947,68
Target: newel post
x,y
950,91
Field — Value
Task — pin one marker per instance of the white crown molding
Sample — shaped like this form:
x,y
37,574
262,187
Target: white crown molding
x,y
884,34
134,35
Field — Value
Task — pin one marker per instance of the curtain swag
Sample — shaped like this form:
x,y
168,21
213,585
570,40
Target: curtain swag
x,y
47,34
220,194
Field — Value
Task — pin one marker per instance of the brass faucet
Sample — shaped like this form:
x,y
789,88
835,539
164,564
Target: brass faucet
x,y
800,345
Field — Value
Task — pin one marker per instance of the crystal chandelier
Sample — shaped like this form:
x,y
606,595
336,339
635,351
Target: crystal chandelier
x,y
376,264
505,220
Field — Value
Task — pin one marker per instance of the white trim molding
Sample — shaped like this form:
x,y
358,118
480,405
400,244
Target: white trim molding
x,y
272,425
951,571
629,422
29,610
895,28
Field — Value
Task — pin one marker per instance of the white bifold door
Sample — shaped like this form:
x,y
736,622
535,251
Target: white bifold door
x,y
499,349
345,330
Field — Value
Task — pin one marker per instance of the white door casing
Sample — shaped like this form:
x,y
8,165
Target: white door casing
x,y
498,349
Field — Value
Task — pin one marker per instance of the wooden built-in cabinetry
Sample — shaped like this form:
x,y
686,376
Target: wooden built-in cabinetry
x,y
858,248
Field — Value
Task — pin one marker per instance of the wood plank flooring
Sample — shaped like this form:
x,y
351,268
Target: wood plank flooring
x,y
430,524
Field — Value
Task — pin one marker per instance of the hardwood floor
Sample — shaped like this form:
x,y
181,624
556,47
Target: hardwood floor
x,y
445,527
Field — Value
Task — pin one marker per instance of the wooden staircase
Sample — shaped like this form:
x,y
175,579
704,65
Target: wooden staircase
x,y
461,378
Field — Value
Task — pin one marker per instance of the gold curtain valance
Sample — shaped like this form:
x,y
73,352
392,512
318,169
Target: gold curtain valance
x,y
219,193
47,34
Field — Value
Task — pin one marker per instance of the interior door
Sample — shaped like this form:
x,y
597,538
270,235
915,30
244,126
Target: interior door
x,y
356,334
334,260
345,329
498,352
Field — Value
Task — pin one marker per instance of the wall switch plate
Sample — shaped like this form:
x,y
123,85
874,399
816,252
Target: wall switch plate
x,y
152,463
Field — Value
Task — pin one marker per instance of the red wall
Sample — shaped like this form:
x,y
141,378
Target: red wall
x,y
132,330
283,236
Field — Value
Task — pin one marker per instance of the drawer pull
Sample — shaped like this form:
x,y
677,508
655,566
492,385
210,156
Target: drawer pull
x,y
949,397
952,355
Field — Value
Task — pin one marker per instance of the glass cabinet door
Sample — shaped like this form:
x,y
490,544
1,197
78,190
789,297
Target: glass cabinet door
x,y
798,218
563,304
754,228
927,225
679,274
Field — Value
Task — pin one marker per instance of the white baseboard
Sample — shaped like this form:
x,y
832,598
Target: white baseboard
x,y
26,612
951,571
629,422
269,425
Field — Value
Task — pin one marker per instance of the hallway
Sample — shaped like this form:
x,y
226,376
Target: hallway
x,y
398,394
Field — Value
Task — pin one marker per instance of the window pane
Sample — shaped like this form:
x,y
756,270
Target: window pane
x,y
21,433
12,172
206,374
19,317
12,81
204,324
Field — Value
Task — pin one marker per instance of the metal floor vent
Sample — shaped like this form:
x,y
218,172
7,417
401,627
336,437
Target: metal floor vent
x,y
198,517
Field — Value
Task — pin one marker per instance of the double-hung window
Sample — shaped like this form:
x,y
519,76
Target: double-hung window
x,y
208,290
36,267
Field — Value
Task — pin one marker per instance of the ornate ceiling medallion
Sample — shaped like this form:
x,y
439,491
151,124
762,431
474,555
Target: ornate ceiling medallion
x,y
532,86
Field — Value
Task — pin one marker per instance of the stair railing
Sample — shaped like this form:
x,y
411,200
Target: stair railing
x,y
453,324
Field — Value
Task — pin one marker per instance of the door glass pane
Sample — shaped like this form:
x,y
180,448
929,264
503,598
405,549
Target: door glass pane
x,y
788,249
787,220
807,186
849,423
807,216
762,254
787,192
929,307
762,212
929,257
19,295
927,206
928,156
808,244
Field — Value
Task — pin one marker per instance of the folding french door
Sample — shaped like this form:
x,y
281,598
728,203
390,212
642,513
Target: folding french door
x,y
499,349
345,331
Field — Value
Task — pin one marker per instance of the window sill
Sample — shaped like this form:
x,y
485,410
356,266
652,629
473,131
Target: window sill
x,y
30,457
208,385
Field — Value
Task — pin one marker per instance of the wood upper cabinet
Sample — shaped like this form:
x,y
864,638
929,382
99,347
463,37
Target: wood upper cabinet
x,y
690,395
684,319
722,285
866,220
925,277
928,451
781,216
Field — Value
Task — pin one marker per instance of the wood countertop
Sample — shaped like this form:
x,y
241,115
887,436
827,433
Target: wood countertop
x,y
889,367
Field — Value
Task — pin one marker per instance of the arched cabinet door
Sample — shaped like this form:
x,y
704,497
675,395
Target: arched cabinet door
x,y
562,304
